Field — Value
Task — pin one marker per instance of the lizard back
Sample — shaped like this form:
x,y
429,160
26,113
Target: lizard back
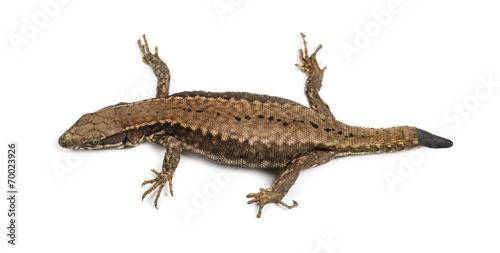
x,y
235,128
254,130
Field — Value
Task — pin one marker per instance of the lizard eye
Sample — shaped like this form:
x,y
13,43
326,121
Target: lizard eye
x,y
94,142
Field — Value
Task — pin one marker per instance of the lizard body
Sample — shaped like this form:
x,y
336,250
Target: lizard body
x,y
238,128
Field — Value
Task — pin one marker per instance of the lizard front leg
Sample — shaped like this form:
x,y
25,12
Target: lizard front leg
x,y
287,178
170,162
159,67
314,78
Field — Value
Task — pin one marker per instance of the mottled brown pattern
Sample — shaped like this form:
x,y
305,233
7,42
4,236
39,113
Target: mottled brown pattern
x,y
249,97
159,67
256,134
170,162
238,128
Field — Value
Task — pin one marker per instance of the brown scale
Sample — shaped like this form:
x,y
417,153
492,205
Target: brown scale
x,y
238,128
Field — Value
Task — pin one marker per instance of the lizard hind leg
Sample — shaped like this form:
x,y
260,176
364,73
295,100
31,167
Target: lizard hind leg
x,y
280,188
287,178
314,78
159,67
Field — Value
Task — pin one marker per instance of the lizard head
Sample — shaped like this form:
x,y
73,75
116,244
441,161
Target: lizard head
x,y
98,130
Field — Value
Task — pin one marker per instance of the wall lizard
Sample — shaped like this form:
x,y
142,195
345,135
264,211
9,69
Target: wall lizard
x,y
239,128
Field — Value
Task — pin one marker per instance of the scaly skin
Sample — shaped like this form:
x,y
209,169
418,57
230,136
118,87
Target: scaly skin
x,y
237,128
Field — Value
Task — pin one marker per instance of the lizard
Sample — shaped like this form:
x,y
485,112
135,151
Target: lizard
x,y
240,129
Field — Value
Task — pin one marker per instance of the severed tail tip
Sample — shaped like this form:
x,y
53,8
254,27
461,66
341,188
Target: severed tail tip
x,y
426,139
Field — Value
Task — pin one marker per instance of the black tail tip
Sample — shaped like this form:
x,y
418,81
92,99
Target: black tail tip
x,y
427,139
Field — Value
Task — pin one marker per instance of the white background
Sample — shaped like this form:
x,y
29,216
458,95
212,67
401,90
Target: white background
x,y
421,66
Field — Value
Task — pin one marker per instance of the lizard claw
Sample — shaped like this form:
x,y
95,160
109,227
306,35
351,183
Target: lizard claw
x,y
309,64
148,57
265,196
159,182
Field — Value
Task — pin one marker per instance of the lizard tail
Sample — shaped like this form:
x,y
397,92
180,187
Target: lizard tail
x,y
427,139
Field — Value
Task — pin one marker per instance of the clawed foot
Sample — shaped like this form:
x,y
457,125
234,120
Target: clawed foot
x,y
265,196
309,64
160,181
148,57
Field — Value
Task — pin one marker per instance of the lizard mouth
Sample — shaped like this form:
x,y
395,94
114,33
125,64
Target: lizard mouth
x,y
65,141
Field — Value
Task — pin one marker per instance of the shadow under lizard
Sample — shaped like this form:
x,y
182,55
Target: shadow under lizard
x,y
238,128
